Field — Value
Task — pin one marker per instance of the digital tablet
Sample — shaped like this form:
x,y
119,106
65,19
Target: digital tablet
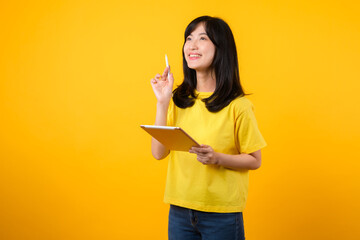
x,y
174,138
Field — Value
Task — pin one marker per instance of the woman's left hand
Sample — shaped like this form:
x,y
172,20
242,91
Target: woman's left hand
x,y
205,154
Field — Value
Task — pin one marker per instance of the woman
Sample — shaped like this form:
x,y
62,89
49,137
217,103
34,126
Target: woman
x,y
207,186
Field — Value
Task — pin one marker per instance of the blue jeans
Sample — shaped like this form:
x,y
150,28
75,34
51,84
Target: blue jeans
x,y
188,224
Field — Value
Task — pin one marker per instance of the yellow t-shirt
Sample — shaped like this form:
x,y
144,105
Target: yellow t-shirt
x,y
209,188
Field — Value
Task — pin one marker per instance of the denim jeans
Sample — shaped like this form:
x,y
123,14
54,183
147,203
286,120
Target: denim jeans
x,y
188,224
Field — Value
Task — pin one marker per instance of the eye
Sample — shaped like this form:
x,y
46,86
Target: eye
x,y
202,38
188,38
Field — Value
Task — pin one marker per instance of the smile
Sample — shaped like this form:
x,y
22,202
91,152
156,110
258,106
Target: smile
x,y
194,56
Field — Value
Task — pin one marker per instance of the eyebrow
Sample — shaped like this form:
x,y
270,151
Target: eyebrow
x,y
203,33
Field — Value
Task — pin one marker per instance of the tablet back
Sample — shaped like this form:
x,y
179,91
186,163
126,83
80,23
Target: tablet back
x,y
174,138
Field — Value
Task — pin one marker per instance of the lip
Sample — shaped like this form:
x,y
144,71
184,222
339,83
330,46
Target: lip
x,y
194,56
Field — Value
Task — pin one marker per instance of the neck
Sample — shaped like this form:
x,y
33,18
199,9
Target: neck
x,y
206,81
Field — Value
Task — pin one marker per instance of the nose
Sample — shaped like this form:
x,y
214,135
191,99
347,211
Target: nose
x,y
193,45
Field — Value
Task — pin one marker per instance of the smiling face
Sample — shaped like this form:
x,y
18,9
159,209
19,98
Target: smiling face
x,y
199,50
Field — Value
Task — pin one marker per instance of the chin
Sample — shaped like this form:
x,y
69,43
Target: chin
x,y
192,66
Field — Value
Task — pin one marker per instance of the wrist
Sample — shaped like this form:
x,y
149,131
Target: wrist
x,y
163,104
217,158
162,107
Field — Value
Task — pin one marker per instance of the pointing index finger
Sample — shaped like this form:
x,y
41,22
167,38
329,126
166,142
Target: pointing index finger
x,y
166,72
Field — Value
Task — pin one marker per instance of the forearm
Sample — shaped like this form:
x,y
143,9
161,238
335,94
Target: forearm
x,y
159,151
240,161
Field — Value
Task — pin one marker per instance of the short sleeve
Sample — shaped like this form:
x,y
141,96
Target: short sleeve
x,y
248,138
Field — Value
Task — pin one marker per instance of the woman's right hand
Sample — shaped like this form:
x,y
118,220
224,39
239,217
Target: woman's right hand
x,y
162,86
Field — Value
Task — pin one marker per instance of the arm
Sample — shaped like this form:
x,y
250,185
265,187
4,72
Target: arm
x,y
206,155
162,86
158,150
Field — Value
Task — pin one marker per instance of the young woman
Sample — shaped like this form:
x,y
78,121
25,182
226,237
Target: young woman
x,y
207,187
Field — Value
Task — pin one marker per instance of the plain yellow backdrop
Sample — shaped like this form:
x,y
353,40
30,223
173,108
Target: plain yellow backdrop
x,y
75,86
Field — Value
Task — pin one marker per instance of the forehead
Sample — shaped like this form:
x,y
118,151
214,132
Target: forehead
x,y
199,29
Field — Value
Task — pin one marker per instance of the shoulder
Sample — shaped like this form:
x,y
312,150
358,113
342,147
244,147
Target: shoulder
x,y
240,105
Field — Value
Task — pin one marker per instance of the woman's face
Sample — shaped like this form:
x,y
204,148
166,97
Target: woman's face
x,y
199,50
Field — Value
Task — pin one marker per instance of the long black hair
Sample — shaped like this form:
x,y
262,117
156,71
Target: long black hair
x,y
225,65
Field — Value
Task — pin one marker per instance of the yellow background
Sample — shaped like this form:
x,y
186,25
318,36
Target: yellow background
x,y
75,86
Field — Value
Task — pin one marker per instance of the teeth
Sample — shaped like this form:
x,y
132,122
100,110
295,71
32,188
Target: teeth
x,y
192,55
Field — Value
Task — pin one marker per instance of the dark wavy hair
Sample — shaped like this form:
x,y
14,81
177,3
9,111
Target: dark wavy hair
x,y
225,66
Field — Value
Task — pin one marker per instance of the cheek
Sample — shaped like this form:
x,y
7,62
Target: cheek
x,y
212,55
185,48
184,51
211,51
